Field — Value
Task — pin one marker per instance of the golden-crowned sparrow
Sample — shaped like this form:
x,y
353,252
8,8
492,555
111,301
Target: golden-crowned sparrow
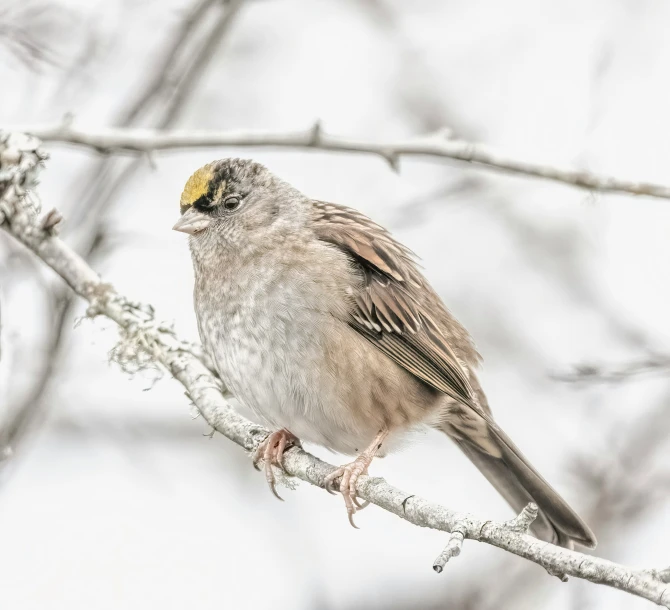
x,y
321,323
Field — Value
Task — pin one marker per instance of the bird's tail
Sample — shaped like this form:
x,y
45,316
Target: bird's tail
x,y
508,470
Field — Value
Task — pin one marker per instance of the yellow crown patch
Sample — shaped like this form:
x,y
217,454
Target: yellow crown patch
x,y
196,186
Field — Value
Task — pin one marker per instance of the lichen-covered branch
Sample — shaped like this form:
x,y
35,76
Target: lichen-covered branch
x,y
438,145
143,341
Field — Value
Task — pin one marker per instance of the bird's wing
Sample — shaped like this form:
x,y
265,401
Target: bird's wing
x,y
394,307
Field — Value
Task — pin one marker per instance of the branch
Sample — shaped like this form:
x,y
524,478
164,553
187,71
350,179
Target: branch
x,y
20,25
159,76
601,373
439,145
143,342
167,91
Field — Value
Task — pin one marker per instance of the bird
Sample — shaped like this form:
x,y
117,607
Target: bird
x,y
321,323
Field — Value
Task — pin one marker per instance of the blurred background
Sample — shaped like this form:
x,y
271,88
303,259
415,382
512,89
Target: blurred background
x,y
112,496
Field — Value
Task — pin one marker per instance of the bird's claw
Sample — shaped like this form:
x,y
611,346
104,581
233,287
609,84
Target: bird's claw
x,y
348,475
360,505
271,453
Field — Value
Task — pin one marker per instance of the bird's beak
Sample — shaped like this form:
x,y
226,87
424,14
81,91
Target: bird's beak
x,y
192,222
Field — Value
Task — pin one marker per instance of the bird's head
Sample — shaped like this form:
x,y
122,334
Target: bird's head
x,y
233,199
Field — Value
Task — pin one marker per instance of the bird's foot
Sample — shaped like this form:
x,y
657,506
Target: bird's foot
x,y
271,452
348,475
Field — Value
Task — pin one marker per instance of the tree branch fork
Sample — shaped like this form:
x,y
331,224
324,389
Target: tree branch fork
x,y
145,342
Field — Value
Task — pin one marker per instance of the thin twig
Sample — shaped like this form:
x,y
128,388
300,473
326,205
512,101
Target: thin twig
x,y
19,162
603,373
438,145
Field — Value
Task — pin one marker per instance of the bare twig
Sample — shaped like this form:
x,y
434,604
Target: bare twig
x,y
20,24
601,373
202,59
452,549
20,158
632,479
439,145
162,74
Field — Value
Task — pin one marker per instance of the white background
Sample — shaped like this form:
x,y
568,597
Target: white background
x,y
117,500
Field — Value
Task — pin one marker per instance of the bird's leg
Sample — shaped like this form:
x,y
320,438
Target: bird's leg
x,y
349,473
271,452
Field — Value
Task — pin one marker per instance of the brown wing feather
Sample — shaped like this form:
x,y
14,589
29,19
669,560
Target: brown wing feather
x,y
395,308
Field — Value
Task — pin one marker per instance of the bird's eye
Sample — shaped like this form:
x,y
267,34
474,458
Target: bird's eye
x,y
232,202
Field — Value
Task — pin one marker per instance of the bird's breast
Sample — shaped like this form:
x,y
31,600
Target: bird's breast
x,y
280,341
266,329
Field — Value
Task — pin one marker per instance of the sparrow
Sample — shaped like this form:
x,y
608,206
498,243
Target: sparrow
x,y
322,324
